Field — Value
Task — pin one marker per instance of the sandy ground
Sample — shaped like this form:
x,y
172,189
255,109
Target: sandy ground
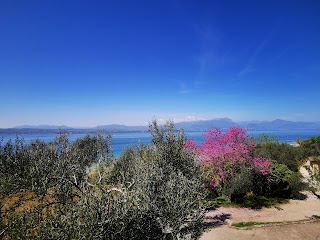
x,y
293,211
305,231
296,210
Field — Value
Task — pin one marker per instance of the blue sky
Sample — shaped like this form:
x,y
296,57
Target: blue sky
x,y
87,63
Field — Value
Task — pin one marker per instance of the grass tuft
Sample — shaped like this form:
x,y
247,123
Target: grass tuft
x,y
250,224
250,201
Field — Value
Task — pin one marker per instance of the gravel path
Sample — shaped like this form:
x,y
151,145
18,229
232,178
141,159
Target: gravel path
x,y
305,231
295,210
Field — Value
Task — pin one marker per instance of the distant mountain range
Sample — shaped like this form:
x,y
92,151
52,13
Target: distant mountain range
x,y
202,125
283,125
42,127
122,128
225,123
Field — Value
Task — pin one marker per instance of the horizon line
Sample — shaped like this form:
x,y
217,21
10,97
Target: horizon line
x,y
118,124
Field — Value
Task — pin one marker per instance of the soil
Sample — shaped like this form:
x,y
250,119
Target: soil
x,y
220,220
298,231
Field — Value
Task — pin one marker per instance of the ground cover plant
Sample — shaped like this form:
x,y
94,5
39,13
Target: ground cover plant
x,y
251,224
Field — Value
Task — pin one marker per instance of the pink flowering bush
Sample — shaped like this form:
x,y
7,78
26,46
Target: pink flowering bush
x,y
262,164
224,154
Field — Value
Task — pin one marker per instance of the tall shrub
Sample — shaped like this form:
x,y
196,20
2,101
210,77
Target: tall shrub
x,y
167,179
225,153
153,192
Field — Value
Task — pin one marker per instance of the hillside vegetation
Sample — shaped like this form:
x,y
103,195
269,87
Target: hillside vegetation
x,y
63,190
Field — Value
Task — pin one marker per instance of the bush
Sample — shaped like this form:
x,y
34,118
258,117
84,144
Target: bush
x,y
168,181
311,146
282,153
40,166
248,180
286,161
228,159
100,213
285,182
153,192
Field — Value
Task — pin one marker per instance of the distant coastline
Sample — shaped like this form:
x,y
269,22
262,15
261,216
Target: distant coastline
x,y
121,140
201,125
58,131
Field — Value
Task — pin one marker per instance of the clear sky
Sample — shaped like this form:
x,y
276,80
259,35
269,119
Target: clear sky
x,y
87,63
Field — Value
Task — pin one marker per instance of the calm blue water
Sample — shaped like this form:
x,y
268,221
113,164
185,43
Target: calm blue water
x,y
122,140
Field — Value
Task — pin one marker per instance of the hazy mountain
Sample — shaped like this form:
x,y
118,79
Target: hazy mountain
x,y
225,123
244,124
203,125
279,124
43,127
121,128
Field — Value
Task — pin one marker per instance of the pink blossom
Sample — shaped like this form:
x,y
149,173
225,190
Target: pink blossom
x,y
190,144
224,153
262,164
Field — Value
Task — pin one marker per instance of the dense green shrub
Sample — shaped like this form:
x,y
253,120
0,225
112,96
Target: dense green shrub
x,y
40,166
248,180
285,182
311,146
311,149
282,153
286,160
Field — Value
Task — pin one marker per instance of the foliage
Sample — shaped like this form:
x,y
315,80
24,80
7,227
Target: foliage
x,y
169,182
282,153
40,166
153,192
311,149
248,180
170,150
79,191
251,224
100,213
285,183
267,138
227,155
311,146
286,161
59,168
250,200
221,201
257,202
240,170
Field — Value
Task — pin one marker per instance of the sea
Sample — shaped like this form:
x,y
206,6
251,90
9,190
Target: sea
x,y
121,140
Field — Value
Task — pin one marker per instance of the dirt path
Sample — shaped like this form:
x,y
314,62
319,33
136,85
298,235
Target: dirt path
x,y
295,210
305,231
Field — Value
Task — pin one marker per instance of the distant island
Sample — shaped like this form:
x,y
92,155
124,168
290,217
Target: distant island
x,y
201,125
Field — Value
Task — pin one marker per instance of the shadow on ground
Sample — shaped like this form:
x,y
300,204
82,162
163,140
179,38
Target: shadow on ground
x,y
216,221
